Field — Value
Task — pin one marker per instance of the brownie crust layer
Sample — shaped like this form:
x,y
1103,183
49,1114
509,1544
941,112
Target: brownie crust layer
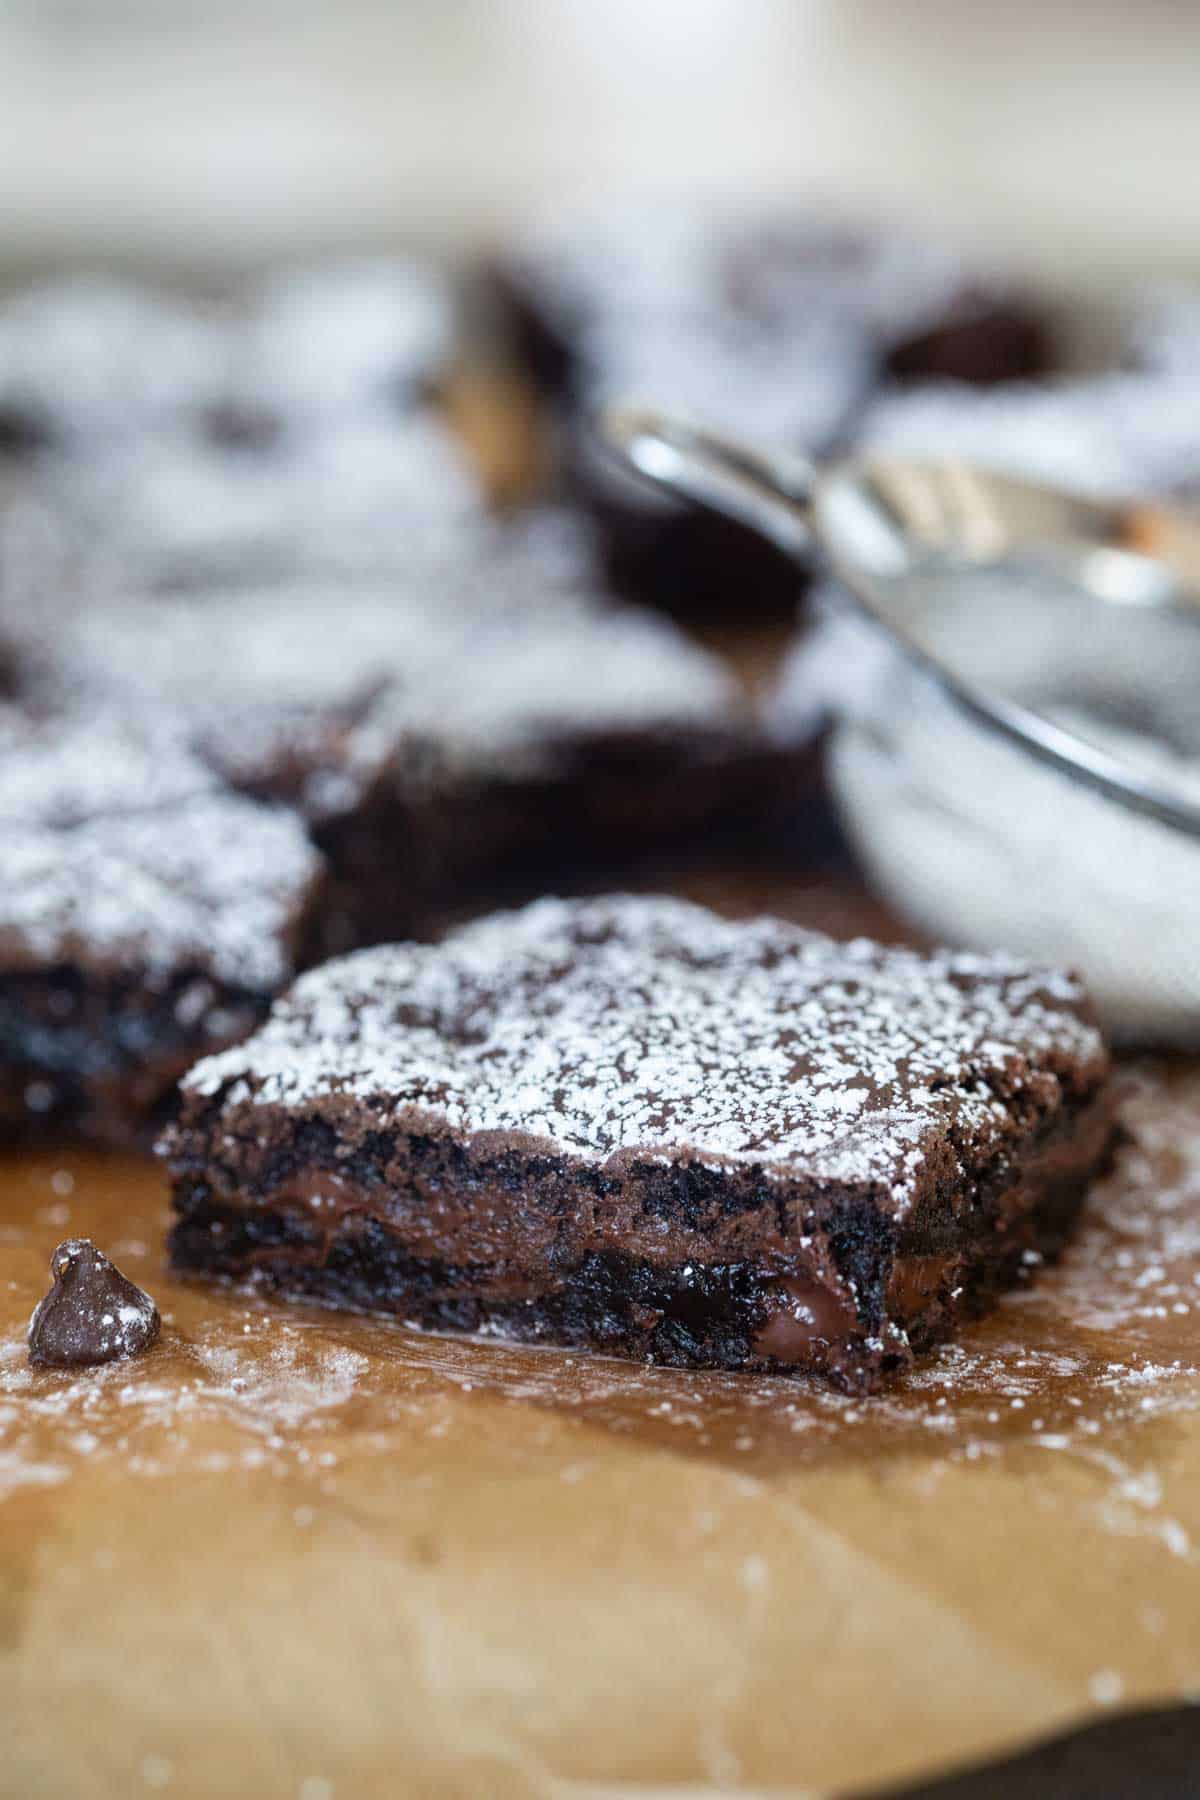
x,y
626,1123
663,1264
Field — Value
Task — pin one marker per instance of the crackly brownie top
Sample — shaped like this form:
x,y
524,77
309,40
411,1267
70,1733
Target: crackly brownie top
x,y
213,882
606,1028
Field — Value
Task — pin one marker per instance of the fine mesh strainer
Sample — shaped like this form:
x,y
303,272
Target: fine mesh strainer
x,y
1016,750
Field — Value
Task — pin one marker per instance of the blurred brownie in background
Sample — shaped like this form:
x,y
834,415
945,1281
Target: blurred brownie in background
x,y
88,362
285,429
775,329
563,741
146,917
178,513
314,345
490,718
1111,436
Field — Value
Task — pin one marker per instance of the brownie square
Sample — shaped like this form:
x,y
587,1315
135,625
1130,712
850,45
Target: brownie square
x,y
561,742
777,327
491,718
146,918
629,1124
365,336
87,361
354,499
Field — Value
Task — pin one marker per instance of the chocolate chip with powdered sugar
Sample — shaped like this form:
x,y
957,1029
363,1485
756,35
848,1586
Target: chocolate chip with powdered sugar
x,y
92,1314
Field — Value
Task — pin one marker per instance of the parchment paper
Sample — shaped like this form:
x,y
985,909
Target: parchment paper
x,y
294,1554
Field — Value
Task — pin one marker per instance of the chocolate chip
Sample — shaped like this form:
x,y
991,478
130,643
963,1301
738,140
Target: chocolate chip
x,y
92,1313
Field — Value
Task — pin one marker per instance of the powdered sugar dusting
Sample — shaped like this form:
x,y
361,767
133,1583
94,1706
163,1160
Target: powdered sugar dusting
x,y
1109,436
60,772
646,1024
532,684
89,358
495,672
323,340
214,883
357,497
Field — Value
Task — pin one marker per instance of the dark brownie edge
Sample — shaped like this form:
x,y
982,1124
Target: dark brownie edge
x,y
850,1300
399,858
100,1055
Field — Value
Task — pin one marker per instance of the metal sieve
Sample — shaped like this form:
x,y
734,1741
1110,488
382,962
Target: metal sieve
x,y
1016,748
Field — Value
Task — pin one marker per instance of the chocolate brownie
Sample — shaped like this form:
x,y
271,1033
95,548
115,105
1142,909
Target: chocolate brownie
x,y
1163,333
348,502
486,720
929,312
316,344
88,361
630,1124
58,770
559,740
802,386
776,328
146,917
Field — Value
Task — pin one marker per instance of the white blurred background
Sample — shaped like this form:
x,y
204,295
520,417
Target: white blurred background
x,y
235,129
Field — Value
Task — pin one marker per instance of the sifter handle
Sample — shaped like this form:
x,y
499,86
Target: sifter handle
x,y
768,490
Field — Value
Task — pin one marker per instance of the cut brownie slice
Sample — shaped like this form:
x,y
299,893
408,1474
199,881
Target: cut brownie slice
x,y
88,361
562,740
491,717
630,1124
361,337
145,919
355,500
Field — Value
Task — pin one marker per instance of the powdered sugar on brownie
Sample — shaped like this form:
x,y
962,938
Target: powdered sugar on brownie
x,y
59,772
214,883
801,385
604,1028
360,499
533,683
260,674
92,359
344,337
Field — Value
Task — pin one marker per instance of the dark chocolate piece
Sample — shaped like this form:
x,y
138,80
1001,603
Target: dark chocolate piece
x,y
985,340
628,1123
92,1314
